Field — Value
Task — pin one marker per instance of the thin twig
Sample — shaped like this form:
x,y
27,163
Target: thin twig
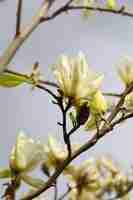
x,y
56,191
10,191
47,90
123,118
17,42
18,17
48,83
64,125
73,130
66,8
112,94
66,193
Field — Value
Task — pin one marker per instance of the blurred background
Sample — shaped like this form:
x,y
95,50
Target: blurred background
x,y
104,38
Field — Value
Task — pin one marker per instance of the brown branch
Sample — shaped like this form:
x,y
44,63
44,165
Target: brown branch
x,y
68,7
64,124
56,191
46,90
17,42
123,118
112,94
10,191
18,18
66,193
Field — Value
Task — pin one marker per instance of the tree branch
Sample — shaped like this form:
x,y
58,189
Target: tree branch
x,y
112,94
28,78
17,42
66,8
64,124
18,17
56,191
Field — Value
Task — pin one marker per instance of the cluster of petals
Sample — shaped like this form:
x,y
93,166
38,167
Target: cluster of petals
x,y
94,176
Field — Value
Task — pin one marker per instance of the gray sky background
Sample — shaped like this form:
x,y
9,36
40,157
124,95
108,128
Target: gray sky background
x,y
105,39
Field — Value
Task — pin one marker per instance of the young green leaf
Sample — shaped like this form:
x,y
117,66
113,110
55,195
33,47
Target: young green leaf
x,y
11,80
5,173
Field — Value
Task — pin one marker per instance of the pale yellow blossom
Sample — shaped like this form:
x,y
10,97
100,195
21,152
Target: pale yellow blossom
x,y
55,154
94,176
98,103
76,80
126,71
26,154
129,101
98,106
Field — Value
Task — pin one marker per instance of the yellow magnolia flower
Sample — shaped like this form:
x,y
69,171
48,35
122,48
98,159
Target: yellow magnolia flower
x,y
108,163
126,71
98,103
82,195
26,155
93,177
76,80
98,106
83,180
129,101
55,155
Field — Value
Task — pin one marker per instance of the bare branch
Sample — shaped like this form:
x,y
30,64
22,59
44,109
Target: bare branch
x,y
112,94
66,193
64,124
17,42
18,17
56,191
67,7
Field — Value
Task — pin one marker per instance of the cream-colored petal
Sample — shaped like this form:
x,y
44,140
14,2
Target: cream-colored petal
x,y
26,154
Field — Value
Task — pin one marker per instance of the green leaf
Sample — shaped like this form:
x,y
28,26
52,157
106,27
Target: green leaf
x,y
11,80
5,173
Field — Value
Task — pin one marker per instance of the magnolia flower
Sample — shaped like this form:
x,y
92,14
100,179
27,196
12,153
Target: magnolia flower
x,y
98,103
26,154
83,180
55,155
25,157
96,178
108,164
98,106
76,80
129,101
126,72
